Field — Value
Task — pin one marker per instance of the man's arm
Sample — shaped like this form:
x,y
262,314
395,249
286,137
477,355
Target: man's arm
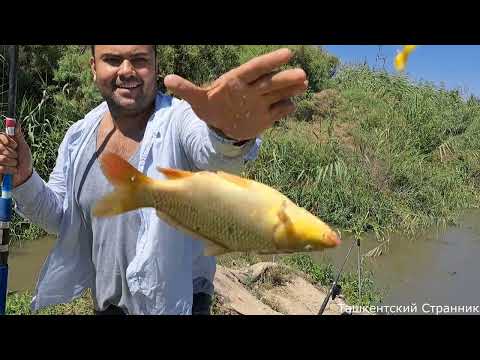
x,y
42,202
208,149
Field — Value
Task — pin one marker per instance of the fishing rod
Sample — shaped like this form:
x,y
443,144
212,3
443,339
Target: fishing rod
x,y
7,181
335,288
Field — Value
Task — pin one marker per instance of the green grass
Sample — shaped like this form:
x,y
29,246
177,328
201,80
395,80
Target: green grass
x,y
324,274
393,156
19,304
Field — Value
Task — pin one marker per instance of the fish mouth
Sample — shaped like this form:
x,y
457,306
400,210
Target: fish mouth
x,y
332,239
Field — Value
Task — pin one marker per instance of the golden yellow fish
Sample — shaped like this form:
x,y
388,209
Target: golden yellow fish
x,y
402,57
229,213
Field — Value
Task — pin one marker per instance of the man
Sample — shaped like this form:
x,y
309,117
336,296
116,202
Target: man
x,y
135,263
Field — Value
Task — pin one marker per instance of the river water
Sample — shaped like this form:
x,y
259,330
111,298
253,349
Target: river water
x,y
435,267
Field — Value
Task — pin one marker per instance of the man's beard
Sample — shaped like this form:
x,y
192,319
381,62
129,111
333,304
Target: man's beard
x,y
120,111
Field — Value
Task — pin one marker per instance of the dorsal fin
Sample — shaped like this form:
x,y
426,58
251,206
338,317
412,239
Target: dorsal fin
x,y
234,179
174,173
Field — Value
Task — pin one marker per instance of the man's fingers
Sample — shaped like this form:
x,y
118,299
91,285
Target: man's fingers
x,y
284,79
8,141
284,94
19,132
8,170
281,109
184,89
9,152
265,64
7,161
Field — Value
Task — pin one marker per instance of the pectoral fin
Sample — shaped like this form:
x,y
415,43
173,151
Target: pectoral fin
x,y
285,219
212,249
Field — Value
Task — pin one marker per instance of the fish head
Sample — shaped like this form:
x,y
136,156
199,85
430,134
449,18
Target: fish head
x,y
300,230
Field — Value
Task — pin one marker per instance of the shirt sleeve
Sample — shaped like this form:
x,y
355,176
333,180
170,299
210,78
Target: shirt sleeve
x,y
42,202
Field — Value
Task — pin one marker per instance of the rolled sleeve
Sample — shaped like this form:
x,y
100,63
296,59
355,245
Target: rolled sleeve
x,y
226,147
207,150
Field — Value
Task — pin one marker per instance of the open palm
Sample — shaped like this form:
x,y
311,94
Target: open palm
x,y
246,100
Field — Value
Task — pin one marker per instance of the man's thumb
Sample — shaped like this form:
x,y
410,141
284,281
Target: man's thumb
x,y
19,133
184,89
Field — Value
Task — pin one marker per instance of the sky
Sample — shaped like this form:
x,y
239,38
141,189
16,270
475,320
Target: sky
x,y
457,66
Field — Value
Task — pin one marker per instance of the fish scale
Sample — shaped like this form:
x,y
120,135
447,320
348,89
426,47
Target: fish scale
x,y
217,224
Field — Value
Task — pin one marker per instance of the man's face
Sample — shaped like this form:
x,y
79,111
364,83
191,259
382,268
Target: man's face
x,y
125,76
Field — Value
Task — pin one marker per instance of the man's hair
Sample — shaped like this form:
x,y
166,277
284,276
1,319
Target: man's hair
x,y
93,50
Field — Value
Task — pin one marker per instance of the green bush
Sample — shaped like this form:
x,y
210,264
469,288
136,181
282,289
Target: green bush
x,y
199,64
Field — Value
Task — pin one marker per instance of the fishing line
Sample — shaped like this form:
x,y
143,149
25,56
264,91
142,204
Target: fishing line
x,y
3,59
335,288
359,270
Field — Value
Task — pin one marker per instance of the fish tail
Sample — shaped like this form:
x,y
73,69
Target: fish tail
x,y
131,188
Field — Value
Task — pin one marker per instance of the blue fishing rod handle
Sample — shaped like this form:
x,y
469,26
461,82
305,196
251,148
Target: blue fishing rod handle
x,y
3,288
6,199
5,209
7,181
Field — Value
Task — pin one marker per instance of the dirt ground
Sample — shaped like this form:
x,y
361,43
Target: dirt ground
x,y
269,288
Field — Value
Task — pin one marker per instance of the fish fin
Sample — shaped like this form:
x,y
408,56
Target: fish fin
x,y
130,185
285,219
234,179
121,173
276,252
211,248
118,202
174,173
